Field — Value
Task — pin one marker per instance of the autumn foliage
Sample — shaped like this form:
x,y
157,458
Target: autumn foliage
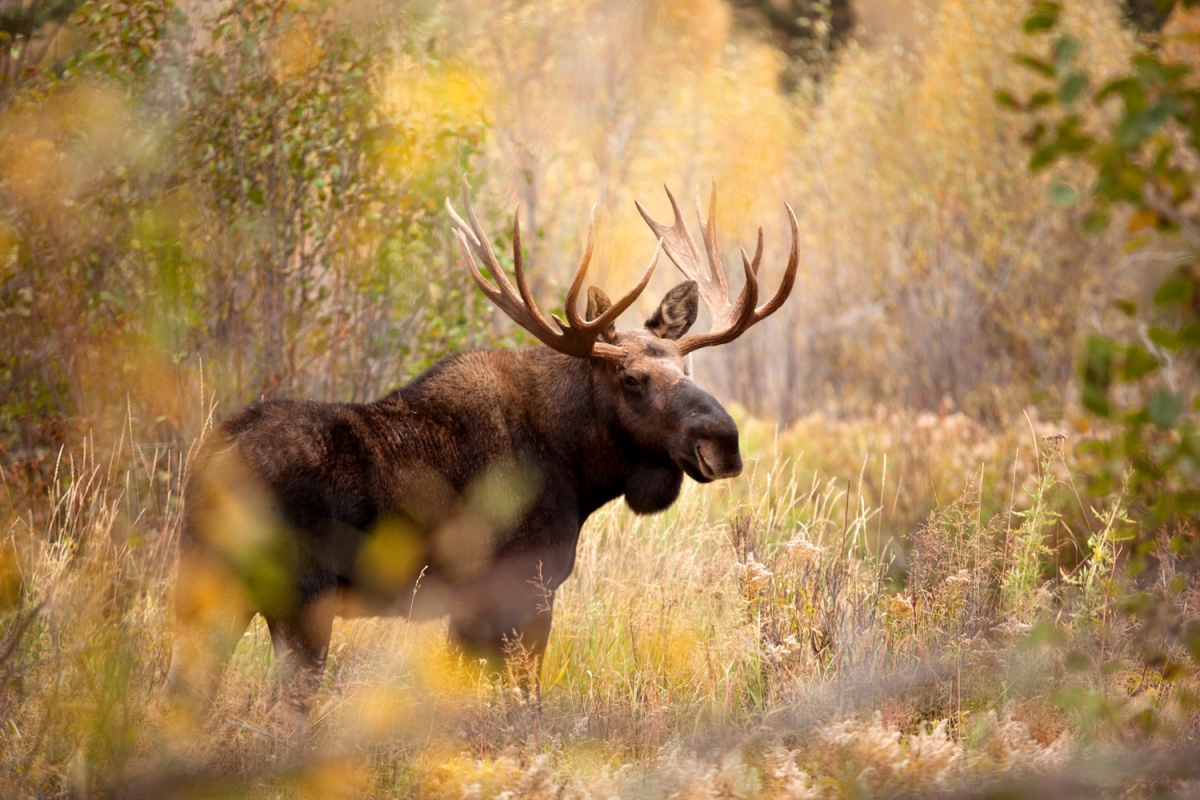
x,y
960,558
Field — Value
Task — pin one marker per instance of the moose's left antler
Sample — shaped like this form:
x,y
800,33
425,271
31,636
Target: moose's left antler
x,y
729,320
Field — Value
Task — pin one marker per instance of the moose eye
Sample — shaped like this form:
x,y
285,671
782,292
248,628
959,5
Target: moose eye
x,y
631,382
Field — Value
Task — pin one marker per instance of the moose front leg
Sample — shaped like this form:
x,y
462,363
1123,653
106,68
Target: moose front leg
x,y
512,638
505,616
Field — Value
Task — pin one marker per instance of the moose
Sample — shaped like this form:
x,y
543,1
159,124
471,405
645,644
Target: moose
x,y
463,493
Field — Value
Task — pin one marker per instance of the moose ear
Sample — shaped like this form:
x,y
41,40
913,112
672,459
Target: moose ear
x,y
676,313
597,304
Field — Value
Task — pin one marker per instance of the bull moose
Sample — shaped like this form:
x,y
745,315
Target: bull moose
x,y
462,493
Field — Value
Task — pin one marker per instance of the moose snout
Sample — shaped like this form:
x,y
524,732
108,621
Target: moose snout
x,y
715,447
718,461
707,448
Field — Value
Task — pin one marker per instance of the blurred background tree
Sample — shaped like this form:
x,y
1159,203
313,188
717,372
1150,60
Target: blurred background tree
x,y
229,194
1137,135
247,197
808,31
28,31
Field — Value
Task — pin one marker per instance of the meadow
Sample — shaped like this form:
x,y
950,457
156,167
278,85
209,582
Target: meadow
x,y
961,560
766,637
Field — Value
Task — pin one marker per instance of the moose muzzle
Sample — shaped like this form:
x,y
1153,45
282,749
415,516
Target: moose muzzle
x,y
710,440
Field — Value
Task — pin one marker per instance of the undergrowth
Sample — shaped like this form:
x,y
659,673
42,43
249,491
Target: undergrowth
x,y
782,635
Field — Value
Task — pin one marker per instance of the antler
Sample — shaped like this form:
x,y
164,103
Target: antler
x,y
729,321
575,337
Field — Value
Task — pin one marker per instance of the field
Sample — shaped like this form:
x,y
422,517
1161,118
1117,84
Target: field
x,y
962,558
753,641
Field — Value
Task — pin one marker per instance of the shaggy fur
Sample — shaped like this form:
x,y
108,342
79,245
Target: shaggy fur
x,y
462,493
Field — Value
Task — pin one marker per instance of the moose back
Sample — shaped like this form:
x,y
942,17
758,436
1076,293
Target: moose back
x,y
462,493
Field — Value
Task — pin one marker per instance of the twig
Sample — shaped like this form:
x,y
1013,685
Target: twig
x,y
239,724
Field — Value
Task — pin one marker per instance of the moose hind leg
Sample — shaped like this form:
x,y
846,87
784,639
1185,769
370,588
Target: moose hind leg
x,y
211,614
301,642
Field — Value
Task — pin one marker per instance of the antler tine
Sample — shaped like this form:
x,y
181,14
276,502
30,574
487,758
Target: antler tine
x,y
758,251
579,338
516,303
470,238
729,320
677,241
789,274
741,316
682,249
610,316
572,302
484,247
490,291
523,286
708,229
465,246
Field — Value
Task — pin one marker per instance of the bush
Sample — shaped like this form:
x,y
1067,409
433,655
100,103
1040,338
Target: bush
x,y
227,202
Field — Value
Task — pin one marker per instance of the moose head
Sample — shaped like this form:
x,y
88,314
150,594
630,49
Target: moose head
x,y
642,374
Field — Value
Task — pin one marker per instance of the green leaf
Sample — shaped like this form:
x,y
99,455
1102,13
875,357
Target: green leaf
x,y
1062,194
1130,89
1038,65
1041,99
1071,87
1005,99
1173,71
1189,335
1044,16
1165,407
1128,308
1065,49
1173,291
1149,68
1135,244
1044,157
1097,375
1096,222
1138,363
1164,338
1130,129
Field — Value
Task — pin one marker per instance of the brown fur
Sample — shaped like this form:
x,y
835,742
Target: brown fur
x,y
461,494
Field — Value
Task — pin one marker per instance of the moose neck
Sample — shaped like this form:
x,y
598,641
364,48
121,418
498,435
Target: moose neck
x,y
549,409
574,413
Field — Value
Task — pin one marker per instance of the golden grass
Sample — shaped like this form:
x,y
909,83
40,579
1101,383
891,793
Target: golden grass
x,y
860,614
756,640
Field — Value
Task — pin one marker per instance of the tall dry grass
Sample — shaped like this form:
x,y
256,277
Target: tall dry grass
x,y
754,640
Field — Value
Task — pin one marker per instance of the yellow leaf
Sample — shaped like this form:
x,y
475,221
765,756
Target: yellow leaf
x,y
1142,220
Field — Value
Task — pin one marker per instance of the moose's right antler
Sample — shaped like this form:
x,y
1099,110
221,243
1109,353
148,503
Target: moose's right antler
x,y
729,321
575,337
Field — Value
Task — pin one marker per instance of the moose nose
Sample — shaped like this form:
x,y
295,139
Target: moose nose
x,y
717,452
717,462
